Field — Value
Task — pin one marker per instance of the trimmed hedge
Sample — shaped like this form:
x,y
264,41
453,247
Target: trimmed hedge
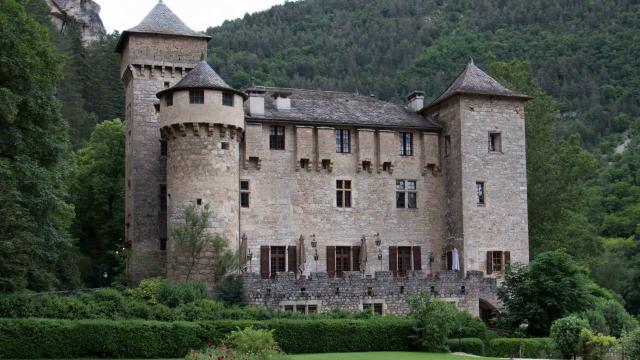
x,y
48,338
468,345
537,348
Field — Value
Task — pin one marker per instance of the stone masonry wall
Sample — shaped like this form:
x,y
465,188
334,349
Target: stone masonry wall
x,y
353,290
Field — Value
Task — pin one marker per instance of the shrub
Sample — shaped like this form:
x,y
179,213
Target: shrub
x,y
565,332
252,341
595,347
467,345
173,295
630,343
537,348
466,325
146,292
230,291
200,310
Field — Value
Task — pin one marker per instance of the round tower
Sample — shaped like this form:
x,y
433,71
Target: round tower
x,y
201,120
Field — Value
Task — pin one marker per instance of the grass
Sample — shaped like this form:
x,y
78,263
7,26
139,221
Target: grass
x,y
382,356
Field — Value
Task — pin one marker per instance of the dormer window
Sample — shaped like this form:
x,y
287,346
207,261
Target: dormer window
x,y
168,100
227,98
196,96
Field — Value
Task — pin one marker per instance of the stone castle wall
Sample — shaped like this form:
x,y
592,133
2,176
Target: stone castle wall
x,y
353,290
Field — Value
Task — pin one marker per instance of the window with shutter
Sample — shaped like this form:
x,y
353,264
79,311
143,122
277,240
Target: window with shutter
x,y
331,261
404,260
489,262
417,258
355,258
393,260
343,260
292,260
264,262
277,260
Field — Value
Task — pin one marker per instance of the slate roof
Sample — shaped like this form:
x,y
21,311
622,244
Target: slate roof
x,y
332,108
202,76
472,80
161,20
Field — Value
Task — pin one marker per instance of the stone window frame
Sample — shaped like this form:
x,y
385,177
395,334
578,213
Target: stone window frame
x,y
374,305
168,99
315,305
277,138
497,261
447,145
344,194
343,141
227,98
245,193
402,191
494,142
481,193
196,96
406,143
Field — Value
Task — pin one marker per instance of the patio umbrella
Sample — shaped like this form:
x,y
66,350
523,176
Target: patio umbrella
x,y
301,256
363,254
455,263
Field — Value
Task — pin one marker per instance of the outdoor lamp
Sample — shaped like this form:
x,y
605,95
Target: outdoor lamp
x,y
315,255
378,241
250,255
379,254
314,242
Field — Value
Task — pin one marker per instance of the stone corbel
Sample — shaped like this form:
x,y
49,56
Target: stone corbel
x,y
182,129
152,70
223,131
210,128
196,129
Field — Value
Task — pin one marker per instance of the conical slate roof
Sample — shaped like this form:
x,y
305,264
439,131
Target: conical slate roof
x,y
161,20
473,80
202,76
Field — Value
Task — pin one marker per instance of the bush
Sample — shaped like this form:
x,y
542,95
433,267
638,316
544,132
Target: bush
x,y
172,295
595,347
536,348
467,326
201,310
565,332
146,292
467,345
230,291
252,341
435,321
631,344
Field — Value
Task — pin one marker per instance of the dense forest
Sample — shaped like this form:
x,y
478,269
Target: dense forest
x,y
579,59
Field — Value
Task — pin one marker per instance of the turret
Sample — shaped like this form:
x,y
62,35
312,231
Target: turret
x,y
202,119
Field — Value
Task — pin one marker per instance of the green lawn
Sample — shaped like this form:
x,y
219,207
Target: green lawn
x,y
382,356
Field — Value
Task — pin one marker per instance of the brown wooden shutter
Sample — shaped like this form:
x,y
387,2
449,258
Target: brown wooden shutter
x,y
331,261
507,258
393,260
355,258
417,258
293,260
449,264
489,262
264,262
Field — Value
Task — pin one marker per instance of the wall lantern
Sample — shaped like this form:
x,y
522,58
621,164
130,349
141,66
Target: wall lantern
x,y
378,242
314,242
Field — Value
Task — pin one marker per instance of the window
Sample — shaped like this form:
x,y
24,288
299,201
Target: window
x,y
163,147
343,137
224,145
276,138
163,198
343,193
227,98
343,260
406,196
495,143
163,244
288,308
497,261
312,309
447,145
406,144
376,307
196,96
404,260
167,84
301,309
168,99
480,193
277,260
244,193
199,202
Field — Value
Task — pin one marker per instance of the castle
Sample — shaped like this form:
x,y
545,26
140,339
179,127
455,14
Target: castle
x,y
332,198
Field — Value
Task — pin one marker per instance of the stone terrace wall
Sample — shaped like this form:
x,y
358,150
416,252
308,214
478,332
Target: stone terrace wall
x,y
353,290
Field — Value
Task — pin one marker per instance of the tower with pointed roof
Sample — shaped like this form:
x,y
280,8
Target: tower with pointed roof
x,y
155,55
484,165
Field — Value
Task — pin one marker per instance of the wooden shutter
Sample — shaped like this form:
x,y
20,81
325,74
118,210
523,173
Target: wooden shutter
x,y
355,258
417,258
507,258
264,262
331,261
449,264
292,260
489,262
393,260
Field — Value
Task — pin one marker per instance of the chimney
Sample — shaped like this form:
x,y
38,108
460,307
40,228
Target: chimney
x,y
256,100
416,101
283,102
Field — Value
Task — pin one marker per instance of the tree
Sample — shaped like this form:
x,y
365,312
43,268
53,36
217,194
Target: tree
x,y
97,185
192,238
435,320
565,332
552,286
230,291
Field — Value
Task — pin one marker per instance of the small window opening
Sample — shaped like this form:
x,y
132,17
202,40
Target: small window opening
x,y
312,309
244,193
167,84
480,195
366,166
401,289
377,309
163,147
304,163
288,308
463,290
196,96
369,291
199,202
268,291
301,309
302,290
337,291
432,289
386,166
224,145
168,99
163,244
227,98
343,193
495,143
326,164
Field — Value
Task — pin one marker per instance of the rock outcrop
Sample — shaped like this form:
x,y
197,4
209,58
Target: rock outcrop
x,y
85,12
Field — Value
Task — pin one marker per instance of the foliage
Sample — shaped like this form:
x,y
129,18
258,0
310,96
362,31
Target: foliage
x,y
631,344
434,321
147,291
595,346
252,341
97,184
466,325
534,348
467,345
608,317
230,291
174,294
552,286
565,332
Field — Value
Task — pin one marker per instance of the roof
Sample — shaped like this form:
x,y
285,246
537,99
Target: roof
x,y
332,108
161,20
202,76
472,80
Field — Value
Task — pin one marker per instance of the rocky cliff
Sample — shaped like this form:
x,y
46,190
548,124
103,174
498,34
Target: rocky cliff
x,y
85,12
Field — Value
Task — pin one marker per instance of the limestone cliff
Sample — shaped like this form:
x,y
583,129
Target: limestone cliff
x,y
85,12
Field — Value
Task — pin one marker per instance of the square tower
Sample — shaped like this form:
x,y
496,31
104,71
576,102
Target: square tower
x,y
485,170
154,56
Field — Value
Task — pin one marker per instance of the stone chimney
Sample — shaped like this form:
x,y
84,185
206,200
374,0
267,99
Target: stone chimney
x,y
256,100
282,101
416,101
